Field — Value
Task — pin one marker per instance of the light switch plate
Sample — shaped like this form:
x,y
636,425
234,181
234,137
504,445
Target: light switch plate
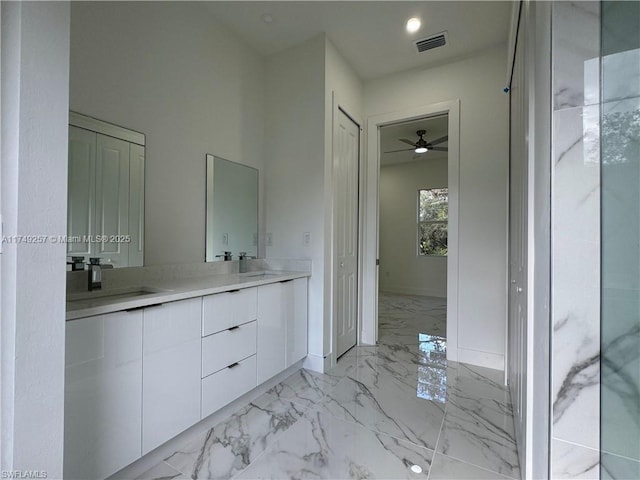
x,y
306,238
269,240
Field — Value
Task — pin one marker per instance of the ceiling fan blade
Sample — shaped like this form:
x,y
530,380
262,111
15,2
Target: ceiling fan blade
x,y
403,150
439,140
409,142
439,149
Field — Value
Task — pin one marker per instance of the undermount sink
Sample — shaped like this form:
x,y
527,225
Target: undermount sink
x,y
101,297
256,275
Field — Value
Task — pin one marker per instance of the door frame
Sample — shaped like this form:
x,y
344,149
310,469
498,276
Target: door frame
x,y
370,210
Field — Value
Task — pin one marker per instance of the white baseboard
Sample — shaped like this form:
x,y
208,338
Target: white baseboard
x,y
481,359
317,363
413,291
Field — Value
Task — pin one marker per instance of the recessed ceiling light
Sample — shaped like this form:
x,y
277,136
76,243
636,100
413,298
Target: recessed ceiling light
x,y
267,18
413,25
416,468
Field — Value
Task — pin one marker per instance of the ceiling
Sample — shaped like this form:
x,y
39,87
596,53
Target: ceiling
x,y
436,127
371,35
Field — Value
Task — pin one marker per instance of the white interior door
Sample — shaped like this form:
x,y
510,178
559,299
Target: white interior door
x,y
136,205
81,201
346,153
112,200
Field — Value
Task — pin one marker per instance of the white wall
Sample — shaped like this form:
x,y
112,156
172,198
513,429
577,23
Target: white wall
x,y
169,70
300,85
343,89
478,83
402,270
295,168
35,62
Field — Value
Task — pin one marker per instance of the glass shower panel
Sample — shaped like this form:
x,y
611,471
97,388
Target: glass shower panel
x,y
620,227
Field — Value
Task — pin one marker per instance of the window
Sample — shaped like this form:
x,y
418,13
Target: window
x,y
433,214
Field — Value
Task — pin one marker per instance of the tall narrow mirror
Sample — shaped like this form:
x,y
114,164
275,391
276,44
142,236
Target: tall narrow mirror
x,y
232,209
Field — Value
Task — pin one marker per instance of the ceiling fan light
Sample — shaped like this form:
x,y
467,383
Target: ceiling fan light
x,y
421,150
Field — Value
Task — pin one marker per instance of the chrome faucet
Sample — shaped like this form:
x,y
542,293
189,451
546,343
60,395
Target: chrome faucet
x,y
77,264
95,273
243,264
227,256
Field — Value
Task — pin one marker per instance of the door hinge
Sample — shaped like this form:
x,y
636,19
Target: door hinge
x,y
377,262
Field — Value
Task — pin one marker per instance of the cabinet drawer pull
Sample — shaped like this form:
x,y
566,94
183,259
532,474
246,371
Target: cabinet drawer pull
x,y
233,291
233,328
233,365
135,309
287,281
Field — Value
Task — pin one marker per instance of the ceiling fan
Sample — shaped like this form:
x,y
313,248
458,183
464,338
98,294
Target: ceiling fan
x,y
422,146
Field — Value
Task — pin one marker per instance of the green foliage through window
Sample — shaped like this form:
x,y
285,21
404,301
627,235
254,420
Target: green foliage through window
x,y
433,215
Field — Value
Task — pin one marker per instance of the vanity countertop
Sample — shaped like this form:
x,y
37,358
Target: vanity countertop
x,y
87,304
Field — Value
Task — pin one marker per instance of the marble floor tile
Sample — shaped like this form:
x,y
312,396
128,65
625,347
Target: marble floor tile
x,y
447,468
481,433
389,406
367,369
477,382
305,387
232,445
419,352
321,446
382,410
162,471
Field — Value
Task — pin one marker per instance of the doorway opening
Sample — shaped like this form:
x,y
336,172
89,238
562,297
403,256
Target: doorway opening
x,y
384,259
413,231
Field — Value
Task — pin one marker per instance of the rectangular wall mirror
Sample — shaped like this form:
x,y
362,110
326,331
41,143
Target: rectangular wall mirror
x,y
232,209
105,217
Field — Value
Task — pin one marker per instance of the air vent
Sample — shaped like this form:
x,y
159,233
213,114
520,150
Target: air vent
x,y
434,41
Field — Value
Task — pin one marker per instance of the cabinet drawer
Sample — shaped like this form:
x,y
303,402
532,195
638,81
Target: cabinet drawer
x,y
228,384
229,346
224,310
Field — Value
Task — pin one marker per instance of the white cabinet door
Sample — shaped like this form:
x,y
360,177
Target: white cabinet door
x,y
136,205
81,187
171,371
271,351
103,394
112,199
296,318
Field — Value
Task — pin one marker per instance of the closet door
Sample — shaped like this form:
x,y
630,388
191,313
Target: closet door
x,y
81,186
112,200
